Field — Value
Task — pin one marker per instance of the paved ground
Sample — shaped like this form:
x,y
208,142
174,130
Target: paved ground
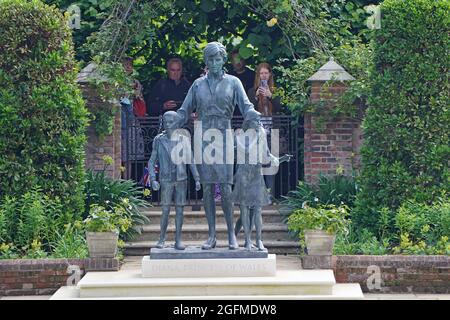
x,y
283,263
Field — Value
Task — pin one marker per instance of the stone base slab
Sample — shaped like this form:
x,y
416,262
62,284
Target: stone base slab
x,y
351,291
194,268
132,284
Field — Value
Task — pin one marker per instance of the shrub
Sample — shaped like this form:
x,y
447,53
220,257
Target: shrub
x,y
101,219
71,243
35,251
32,217
406,138
362,242
103,191
422,222
8,251
42,114
335,190
414,228
328,218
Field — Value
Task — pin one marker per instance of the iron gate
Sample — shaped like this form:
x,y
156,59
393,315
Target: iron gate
x,y
138,135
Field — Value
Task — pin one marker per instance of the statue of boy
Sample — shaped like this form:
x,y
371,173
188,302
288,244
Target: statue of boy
x,y
250,190
213,97
172,174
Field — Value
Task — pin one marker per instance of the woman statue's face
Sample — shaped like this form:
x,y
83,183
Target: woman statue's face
x,y
215,63
264,74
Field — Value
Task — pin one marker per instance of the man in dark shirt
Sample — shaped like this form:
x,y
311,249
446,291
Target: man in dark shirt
x,y
240,70
169,93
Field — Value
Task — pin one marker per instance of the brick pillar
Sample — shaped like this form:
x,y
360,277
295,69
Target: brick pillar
x,y
96,149
332,146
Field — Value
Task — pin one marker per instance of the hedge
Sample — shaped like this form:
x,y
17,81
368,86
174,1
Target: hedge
x,y
406,130
42,115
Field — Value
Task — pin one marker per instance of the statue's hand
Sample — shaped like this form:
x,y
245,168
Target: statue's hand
x,y
155,185
198,186
286,158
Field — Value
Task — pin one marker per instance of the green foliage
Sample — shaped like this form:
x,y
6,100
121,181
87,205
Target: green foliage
x,y
334,190
407,246
406,138
42,115
32,217
3,226
8,251
104,220
359,242
93,13
414,228
329,218
31,222
354,56
35,251
110,193
71,243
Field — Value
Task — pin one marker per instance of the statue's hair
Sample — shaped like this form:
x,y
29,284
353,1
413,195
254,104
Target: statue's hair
x,y
213,48
170,113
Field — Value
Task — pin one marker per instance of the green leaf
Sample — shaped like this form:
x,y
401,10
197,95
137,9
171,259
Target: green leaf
x,y
207,5
245,52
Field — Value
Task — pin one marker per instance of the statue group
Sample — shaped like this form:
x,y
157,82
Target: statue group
x,y
213,97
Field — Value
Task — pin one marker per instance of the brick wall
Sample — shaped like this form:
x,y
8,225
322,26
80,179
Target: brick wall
x,y
331,144
45,276
399,274
96,149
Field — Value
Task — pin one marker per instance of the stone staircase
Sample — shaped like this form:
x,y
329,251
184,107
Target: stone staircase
x,y
195,231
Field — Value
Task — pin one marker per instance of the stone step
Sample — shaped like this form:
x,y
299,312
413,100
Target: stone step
x,y
141,248
200,232
341,291
188,208
130,283
199,217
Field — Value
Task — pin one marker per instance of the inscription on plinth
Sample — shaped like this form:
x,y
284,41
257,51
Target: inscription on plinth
x,y
243,267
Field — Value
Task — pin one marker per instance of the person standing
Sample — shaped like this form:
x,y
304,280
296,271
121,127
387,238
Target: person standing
x,y
242,72
214,98
262,96
168,93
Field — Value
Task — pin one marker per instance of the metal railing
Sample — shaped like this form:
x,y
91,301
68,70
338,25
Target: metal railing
x,y
138,135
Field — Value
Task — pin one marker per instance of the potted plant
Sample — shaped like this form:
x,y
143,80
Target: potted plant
x,y
102,230
317,227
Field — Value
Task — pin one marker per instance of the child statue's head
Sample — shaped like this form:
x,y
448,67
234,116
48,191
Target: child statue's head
x,y
170,120
252,120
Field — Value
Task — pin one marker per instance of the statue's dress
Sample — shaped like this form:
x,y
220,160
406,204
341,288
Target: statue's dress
x,y
215,107
249,186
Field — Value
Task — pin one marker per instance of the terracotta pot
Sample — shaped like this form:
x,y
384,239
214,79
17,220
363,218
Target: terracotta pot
x,y
319,243
102,244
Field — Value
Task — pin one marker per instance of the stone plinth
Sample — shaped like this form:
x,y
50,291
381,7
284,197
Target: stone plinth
x,y
195,268
193,252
